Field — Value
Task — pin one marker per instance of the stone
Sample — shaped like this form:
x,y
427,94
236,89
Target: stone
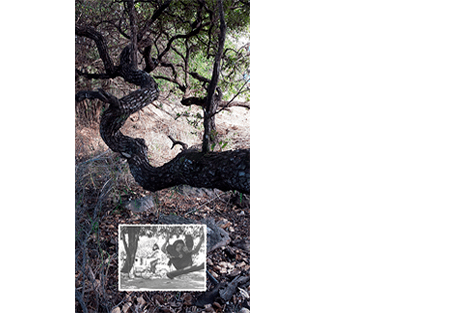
x,y
140,205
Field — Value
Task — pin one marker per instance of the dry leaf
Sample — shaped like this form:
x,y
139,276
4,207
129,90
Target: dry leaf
x,y
235,272
116,310
213,273
125,307
224,223
209,309
187,299
141,301
217,305
159,299
173,304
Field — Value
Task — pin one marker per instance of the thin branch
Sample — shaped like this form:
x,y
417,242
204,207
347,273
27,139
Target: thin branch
x,y
184,146
193,32
199,77
180,86
239,104
94,75
233,104
119,29
170,65
153,18
193,101
81,301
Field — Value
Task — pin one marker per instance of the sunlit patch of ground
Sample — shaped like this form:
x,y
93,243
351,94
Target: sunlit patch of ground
x,y
191,282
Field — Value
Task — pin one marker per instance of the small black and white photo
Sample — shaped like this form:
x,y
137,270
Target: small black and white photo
x,y
162,257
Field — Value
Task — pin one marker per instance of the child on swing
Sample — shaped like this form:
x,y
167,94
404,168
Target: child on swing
x,y
180,253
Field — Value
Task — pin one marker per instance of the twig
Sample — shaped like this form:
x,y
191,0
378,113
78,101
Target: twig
x,y
234,97
81,301
184,146
215,281
93,159
125,299
197,208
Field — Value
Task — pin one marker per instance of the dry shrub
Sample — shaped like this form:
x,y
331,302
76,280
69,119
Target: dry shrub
x,y
101,183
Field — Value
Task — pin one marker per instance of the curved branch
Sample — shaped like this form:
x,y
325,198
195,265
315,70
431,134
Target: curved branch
x,y
151,63
184,146
90,32
194,101
192,33
175,81
199,77
153,18
228,170
93,75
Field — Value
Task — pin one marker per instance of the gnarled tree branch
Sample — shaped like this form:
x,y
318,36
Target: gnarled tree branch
x,y
229,170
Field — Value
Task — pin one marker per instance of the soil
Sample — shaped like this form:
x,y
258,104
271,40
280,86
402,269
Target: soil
x,y
103,182
180,283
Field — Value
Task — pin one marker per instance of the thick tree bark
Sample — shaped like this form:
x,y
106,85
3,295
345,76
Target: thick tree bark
x,y
225,171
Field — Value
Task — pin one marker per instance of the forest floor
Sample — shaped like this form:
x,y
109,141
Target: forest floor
x,y
103,183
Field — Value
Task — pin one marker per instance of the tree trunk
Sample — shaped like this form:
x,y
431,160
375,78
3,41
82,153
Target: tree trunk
x,y
131,247
130,6
212,101
210,129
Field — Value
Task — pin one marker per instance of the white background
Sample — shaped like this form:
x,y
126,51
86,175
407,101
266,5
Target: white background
x,y
353,156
